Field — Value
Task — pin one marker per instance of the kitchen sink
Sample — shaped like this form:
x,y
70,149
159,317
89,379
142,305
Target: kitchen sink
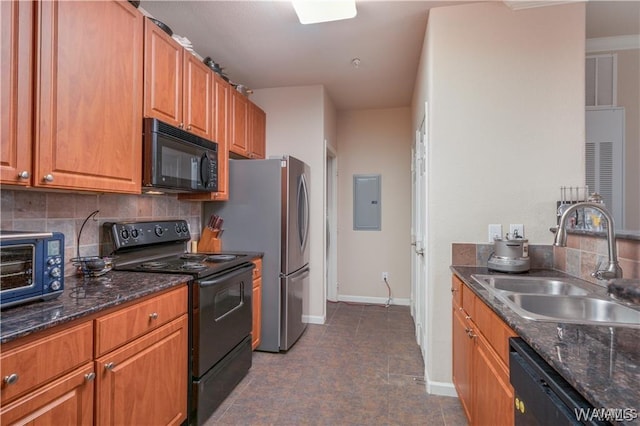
x,y
557,300
529,285
573,309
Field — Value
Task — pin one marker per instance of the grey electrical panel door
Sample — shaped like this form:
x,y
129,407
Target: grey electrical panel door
x,y
366,203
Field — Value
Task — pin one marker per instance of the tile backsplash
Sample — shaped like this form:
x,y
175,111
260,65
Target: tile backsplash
x,y
579,258
64,212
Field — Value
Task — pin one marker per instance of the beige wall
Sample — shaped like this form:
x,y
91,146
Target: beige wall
x,y
296,126
375,142
506,112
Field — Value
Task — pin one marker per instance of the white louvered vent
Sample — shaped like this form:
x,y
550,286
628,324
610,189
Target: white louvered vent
x,y
606,172
591,177
604,153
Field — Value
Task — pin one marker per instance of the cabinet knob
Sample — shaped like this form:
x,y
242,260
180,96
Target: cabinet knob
x,y
90,376
48,178
181,125
153,316
189,127
23,174
10,379
109,366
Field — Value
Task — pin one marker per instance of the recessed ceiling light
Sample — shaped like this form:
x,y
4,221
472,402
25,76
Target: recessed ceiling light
x,y
315,11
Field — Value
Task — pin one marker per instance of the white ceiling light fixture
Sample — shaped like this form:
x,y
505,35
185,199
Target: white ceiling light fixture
x,y
316,11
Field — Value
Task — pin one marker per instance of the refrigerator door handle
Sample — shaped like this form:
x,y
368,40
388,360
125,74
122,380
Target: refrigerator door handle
x,y
303,211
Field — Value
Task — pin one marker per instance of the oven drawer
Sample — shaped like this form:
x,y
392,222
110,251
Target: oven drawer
x,y
32,364
127,324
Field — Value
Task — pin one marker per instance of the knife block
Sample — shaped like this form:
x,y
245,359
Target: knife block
x,y
209,242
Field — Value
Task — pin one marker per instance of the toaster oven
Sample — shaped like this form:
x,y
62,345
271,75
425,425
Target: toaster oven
x,y
31,266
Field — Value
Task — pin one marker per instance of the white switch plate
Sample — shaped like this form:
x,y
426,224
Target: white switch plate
x,y
517,227
495,230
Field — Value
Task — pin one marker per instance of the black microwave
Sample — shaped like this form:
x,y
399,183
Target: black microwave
x,y
31,266
177,161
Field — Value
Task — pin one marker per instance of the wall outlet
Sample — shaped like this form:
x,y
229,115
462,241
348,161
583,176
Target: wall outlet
x,y
495,231
519,228
385,276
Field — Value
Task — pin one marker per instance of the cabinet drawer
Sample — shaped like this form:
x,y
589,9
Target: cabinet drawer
x,y
129,323
496,331
257,272
35,363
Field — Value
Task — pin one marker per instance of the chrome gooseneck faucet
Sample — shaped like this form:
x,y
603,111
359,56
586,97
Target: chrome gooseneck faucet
x,y
613,270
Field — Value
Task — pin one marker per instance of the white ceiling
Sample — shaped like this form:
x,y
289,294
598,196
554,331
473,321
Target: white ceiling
x,y
261,44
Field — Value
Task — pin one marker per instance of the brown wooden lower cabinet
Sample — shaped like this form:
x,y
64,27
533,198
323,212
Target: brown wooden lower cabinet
x,y
133,372
256,330
480,359
65,401
145,382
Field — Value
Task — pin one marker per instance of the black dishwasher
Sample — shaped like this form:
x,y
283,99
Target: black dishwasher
x,y
541,395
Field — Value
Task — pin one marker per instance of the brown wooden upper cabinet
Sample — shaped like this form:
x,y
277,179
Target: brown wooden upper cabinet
x,y
16,73
86,92
221,123
257,127
248,127
178,88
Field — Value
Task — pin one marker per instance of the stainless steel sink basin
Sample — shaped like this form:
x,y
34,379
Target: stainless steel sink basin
x,y
530,285
573,309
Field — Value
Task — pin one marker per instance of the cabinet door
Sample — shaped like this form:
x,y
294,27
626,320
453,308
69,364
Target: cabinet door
x,y
493,403
197,100
462,360
16,64
239,124
66,401
258,122
145,382
257,313
221,124
221,118
89,96
162,76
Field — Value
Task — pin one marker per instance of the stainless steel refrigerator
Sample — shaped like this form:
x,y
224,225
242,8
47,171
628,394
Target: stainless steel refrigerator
x,y
268,211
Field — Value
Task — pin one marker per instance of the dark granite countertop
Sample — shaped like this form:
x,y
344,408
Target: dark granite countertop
x,y
82,297
602,363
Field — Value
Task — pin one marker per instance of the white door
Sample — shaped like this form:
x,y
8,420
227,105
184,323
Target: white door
x,y
419,232
331,220
605,158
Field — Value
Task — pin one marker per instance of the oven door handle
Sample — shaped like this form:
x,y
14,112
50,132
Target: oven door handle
x,y
227,275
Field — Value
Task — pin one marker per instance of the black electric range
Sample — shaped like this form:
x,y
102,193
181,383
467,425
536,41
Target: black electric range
x,y
220,303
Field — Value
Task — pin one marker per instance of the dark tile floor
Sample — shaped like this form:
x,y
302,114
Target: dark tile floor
x,y
363,367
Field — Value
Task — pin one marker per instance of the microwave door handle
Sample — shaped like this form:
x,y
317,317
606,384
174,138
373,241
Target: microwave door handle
x,y
205,164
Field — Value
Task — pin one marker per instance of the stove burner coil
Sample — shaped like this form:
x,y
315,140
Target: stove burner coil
x,y
153,265
193,257
192,266
220,257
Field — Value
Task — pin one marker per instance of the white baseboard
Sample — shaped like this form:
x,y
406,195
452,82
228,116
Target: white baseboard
x,y
374,300
441,388
313,319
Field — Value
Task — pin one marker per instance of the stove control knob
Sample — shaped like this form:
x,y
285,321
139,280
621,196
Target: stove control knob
x,y
124,234
135,233
51,261
158,230
55,285
55,272
178,228
184,227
